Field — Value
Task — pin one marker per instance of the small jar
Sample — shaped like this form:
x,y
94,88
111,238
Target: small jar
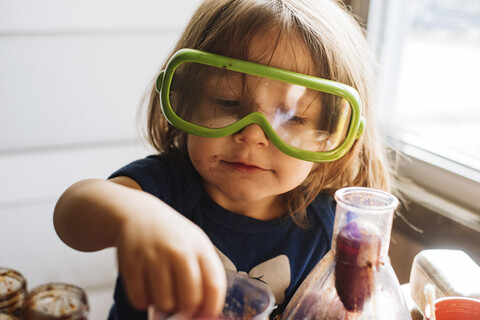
x,y
55,301
13,289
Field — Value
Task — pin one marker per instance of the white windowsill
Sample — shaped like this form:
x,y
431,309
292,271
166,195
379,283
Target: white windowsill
x,y
441,184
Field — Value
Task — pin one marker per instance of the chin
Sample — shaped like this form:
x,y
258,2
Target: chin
x,y
245,196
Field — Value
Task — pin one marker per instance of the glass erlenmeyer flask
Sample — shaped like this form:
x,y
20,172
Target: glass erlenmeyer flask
x,y
355,279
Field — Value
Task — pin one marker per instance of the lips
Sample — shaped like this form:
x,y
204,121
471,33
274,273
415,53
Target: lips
x,y
244,167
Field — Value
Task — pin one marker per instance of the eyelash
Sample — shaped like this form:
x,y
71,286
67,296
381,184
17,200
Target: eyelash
x,y
299,120
227,103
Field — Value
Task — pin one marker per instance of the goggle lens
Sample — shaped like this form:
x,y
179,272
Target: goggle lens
x,y
215,97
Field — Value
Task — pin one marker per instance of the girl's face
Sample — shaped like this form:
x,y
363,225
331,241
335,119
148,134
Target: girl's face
x,y
245,172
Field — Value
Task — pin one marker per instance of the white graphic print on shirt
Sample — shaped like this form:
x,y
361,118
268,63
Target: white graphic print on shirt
x,y
275,273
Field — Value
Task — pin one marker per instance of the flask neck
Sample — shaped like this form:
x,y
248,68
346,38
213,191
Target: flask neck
x,y
363,224
362,239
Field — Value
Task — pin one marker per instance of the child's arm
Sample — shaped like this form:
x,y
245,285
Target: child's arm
x,y
163,257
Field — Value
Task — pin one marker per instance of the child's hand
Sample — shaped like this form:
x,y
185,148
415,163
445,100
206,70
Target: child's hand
x,y
164,258
168,261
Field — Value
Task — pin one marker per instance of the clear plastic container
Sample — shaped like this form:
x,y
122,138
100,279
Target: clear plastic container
x,y
55,301
246,299
355,280
13,289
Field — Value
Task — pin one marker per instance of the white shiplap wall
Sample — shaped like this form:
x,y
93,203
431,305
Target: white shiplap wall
x,y
72,74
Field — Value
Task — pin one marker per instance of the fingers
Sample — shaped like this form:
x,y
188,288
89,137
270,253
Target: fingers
x,y
135,286
214,285
176,274
161,287
189,285
197,283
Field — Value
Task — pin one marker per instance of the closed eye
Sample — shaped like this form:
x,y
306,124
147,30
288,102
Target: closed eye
x,y
289,117
297,119
227,103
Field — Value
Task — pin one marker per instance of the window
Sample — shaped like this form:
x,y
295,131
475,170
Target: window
x,y
429,51
429,54
438,78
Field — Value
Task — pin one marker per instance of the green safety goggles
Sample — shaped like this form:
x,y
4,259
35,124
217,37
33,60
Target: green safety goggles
x,y
305,117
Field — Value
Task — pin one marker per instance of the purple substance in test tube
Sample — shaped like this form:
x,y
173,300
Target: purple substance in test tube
x,y
357,252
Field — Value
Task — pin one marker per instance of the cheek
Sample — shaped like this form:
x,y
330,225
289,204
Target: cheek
x,y
295,170
304,169
194,147
201,151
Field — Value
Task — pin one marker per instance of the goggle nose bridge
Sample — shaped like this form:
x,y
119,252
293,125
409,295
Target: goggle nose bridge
x,y
257,118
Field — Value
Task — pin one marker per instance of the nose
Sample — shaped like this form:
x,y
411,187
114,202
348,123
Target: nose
x,y
252,134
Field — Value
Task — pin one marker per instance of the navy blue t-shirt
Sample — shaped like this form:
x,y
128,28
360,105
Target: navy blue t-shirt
x,y
278,251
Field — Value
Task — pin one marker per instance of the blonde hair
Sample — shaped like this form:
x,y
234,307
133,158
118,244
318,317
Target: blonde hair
x,y
339,50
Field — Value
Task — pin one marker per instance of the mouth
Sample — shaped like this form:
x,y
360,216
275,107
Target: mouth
x,y
244,167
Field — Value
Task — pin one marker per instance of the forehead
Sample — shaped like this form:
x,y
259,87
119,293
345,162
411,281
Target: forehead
x,y
286,52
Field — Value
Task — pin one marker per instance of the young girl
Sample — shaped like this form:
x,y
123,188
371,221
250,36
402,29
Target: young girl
x,y
252,143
